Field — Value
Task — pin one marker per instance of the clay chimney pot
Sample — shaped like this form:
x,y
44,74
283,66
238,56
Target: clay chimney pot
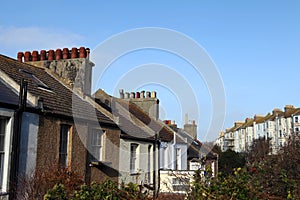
x,y
20,56
51,55
35,56
65,53
43,55
82,52
27,56
74,52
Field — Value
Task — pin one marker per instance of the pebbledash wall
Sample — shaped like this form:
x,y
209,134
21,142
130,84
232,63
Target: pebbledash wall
x,y
277,126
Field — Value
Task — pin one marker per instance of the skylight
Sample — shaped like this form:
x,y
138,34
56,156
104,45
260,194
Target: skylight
x,y
35,80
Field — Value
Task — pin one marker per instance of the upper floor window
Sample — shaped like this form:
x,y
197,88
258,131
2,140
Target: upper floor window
x,y
178,159
3,123
134,158
64,145
280,133
97,143
296,119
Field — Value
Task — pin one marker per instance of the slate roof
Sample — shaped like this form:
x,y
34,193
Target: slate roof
x,y
133,120
57,98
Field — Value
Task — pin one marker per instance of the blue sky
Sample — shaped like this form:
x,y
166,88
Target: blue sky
x,y
254,44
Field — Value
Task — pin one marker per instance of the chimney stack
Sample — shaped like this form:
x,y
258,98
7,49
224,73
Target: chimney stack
x,y
76,73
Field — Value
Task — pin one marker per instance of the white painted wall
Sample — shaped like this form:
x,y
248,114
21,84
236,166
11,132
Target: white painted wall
x,y
28,143
143,164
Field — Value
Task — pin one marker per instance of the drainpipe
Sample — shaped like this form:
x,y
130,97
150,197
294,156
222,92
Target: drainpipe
x,y
154,167
16,139
158,187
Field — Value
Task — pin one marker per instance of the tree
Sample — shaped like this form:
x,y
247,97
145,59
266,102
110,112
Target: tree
x,y
259,150
229,160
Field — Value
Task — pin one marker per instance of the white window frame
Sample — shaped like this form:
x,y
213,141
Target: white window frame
x,y
64,161
178,158
134,158
8,114
97,148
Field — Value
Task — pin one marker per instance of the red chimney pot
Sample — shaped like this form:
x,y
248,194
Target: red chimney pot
x,y
20,56
51,54
137,95
74,53
43,55
65,53
58,55
35,55
27,57
82,52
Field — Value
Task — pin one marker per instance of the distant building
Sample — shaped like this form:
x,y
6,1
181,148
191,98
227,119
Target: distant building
x,y
276,126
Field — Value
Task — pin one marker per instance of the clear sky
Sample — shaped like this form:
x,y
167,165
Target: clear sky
x,y
254,44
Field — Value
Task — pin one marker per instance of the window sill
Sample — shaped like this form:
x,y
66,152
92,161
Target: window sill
x,y
99,163
135,174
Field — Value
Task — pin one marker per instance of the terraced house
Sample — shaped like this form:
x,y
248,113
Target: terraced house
x,y
50,119
276,126
46,120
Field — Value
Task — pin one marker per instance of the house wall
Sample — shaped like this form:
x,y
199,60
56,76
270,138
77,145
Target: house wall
x,y
28,144
168,156
79,159
111,159
143,164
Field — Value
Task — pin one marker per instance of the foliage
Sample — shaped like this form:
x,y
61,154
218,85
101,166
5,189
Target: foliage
x,y
259,150
36,185
107,190
279,175
264,177
229,160
56,193
234,186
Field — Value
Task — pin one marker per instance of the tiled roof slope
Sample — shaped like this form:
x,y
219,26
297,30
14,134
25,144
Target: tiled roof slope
x,y
57,101
165,133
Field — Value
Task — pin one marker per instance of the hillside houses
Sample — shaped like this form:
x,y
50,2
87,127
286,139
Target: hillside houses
x,y
276,126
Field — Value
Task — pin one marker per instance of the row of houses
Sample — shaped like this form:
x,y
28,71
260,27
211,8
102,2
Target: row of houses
x,y
276,126
49,118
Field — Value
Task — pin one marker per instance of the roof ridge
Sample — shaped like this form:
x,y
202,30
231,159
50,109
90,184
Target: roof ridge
x,y
81,96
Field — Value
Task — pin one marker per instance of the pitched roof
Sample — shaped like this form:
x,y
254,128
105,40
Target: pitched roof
x,y
133,118
57,97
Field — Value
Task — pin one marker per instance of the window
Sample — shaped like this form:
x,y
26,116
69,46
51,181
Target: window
x,y
3,123
149,163
97,144
180,184
296,119
280,133
35,80
63,145
164,157
133,158
297,130
178,159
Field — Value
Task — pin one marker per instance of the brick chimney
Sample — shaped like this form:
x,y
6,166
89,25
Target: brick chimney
x,y
288,108
190,128
149,104
73,67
